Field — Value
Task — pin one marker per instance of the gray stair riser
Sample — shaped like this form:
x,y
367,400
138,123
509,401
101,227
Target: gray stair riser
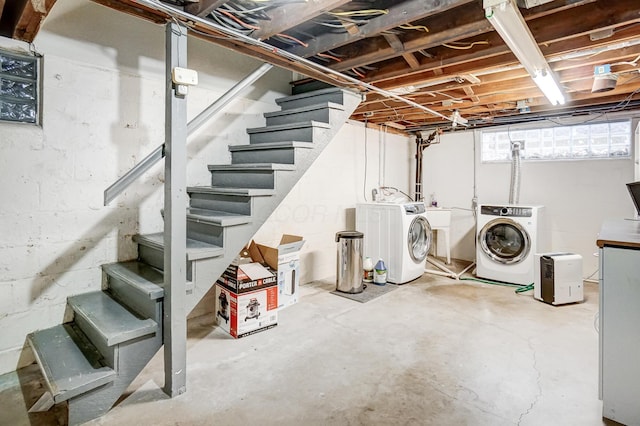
x,y
298,101
262,179
274,155
301,134
226,203
206,232
321,114
88,406
131,358
137,301
108,352
155,257
151,256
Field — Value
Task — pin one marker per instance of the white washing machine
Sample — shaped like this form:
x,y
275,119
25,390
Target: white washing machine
x,y
508,236
399,234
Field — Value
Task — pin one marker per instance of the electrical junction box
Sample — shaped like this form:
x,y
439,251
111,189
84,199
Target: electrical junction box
x,y
184,76
558,278
602,69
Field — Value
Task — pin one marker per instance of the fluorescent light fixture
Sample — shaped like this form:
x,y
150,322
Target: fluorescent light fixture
x,y
548,85
505,17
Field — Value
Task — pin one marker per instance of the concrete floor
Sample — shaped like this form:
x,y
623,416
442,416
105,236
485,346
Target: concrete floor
x,y
432,352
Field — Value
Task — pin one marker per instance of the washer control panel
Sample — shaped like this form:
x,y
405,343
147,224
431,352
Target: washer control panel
x,y
509,211
416,208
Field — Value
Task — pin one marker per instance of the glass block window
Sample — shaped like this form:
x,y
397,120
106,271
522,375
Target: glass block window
x,y
583,141
19,87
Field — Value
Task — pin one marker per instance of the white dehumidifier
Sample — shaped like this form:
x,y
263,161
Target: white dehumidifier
x,y
558,278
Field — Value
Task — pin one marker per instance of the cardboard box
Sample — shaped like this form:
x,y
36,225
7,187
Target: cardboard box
x,y
245,275
285,260
246,313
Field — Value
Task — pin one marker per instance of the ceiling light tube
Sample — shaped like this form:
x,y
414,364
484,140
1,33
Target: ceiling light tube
x,y
548,85
505,17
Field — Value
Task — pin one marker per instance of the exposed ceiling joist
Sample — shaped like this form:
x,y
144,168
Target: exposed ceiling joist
x,y
447,57
30,19
204,7
290,15
397,46
404,13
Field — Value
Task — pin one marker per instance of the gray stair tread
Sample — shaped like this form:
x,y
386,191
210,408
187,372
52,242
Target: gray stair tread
x,y
314,107
143,277
70,364
222,190
216,217
289,126
251,167
195,249
271,145
112,321
308,94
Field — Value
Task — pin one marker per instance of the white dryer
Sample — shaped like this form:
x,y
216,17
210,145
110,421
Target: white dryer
x,y
399,234
508,236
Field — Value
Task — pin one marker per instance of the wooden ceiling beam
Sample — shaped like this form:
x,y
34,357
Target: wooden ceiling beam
x,y
204,7
496,58
536,104
575,79
31,18
131,8
207,34
456,25
373,54
395,42
287,16
554,29
403,13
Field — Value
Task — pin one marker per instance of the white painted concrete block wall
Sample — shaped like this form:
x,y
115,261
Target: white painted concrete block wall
x,y
103,111
578,195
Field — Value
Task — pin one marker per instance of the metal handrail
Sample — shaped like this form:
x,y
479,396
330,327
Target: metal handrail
x,y
189,20
158,154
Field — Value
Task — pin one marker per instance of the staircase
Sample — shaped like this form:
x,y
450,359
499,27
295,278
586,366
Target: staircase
x,y
90,361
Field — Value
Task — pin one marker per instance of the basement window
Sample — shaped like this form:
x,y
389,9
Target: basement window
x,y
582,141
19,91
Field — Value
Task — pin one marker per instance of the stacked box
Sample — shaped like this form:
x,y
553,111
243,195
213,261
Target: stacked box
x,y
285,260
237,279
244,305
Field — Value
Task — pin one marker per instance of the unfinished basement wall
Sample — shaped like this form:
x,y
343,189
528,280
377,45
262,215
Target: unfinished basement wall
x,y
578,195
103,85
323,201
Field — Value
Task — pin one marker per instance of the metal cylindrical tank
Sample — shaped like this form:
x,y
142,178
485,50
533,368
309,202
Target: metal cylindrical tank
x,y
349,266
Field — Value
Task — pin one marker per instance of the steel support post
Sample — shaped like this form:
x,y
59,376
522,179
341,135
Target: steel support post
x,y
175,222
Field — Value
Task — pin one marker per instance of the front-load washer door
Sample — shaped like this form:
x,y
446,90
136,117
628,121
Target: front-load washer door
x,y
419,239
505,241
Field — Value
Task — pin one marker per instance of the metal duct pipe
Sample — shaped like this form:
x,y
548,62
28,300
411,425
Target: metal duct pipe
x,y
514,190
